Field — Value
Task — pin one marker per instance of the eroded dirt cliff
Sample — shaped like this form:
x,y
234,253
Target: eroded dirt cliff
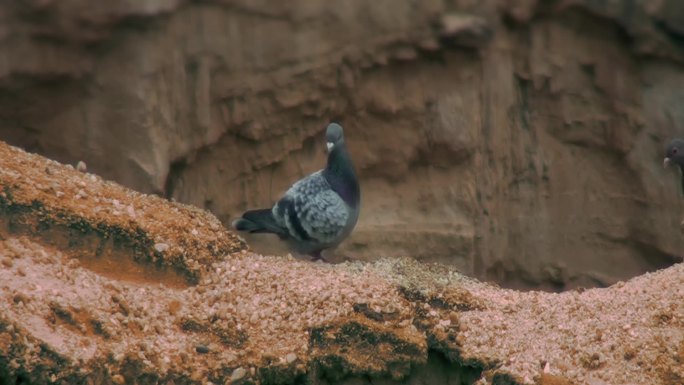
x,y
519,141
100,284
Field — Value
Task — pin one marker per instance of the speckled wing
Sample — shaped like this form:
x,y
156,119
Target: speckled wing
x,y
324,216
312,211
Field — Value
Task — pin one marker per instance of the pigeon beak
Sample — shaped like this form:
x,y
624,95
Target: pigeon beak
x,y
330,145
666,162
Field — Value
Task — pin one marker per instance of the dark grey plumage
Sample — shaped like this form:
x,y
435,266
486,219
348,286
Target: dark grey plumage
x,y
317,212
675,154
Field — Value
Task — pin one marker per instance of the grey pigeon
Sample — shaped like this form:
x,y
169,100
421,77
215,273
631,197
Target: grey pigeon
x,y
317,212
675,154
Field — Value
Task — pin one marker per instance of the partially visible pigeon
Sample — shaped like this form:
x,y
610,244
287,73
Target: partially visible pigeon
x,y
317,212
675,154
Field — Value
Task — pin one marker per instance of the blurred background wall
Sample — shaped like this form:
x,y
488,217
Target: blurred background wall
x,y
520,141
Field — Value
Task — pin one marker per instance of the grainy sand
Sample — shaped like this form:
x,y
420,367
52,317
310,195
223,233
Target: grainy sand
x,y
98,282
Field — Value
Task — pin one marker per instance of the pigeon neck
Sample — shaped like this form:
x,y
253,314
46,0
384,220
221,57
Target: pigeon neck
x,y
339,172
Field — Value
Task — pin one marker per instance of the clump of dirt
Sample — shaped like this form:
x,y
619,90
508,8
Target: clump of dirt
x,y
632,332
80,212
250,311
629,333
89,294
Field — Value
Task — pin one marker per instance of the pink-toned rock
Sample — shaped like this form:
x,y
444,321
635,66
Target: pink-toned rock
x,y
525,153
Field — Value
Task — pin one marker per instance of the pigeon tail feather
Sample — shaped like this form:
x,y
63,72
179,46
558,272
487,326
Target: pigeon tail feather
x,y
258,221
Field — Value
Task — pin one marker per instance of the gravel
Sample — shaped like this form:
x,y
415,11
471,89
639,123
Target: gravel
x,y
121,284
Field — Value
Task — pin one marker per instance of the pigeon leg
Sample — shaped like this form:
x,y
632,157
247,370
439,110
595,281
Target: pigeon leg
x,y
317,256
347,258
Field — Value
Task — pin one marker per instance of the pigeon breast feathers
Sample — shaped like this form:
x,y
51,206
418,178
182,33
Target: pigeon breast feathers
x,y
311,211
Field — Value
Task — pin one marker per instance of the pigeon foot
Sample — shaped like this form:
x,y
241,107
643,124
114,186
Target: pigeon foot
x,y
317,256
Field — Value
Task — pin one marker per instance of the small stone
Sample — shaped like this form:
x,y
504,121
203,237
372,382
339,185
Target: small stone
x,y
290,358
161,247
7,262
196,376
118,379
238,374
201,349
81,166
230,357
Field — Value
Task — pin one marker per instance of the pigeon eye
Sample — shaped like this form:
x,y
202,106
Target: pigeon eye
x,y
674,151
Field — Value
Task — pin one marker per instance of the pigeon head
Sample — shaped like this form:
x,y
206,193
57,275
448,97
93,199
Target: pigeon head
x,y
674,153
334,136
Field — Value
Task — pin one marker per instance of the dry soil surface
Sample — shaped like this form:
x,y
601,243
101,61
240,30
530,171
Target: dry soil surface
x,y
519,141
102,284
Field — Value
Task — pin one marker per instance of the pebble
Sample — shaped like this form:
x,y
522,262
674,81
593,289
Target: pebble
x,y
201,349
230,357
290,358
161,247
81,166
254,318
238,374
453,317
